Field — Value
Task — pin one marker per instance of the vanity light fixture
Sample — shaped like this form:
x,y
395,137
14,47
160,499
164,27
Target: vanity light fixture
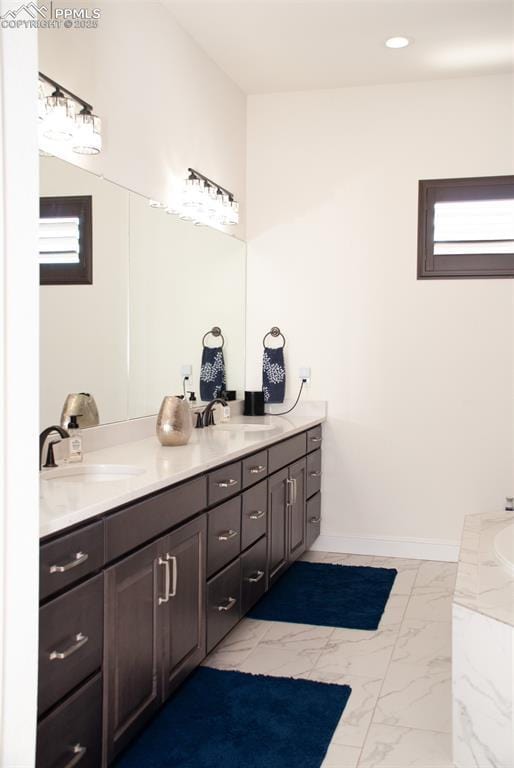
x,y
65,117
397,42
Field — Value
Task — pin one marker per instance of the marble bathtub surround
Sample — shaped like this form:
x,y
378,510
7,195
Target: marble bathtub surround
x,y
483,584
399,711
483,649
63,504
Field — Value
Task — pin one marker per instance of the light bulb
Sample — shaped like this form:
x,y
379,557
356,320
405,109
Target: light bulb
x,y
397,42
87,137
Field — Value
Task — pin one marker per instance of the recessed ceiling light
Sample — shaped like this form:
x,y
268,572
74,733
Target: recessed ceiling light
x,y
397,42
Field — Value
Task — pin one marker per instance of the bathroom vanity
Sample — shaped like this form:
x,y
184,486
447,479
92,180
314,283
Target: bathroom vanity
x,y
134,596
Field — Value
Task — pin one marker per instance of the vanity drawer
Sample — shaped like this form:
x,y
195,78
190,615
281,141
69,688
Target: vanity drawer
x,y
313,472
314,438
69,558
72,734
129,528
255,468
313,519
223,534
70,641
223,603
254,514
286,452
253,575
224,482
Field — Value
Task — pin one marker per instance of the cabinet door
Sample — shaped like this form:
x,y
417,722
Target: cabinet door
x,y
134,590
184,629
297,509
277,524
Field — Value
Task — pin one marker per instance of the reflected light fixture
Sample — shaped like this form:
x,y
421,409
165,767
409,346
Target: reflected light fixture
x,y
204,202
66,118
397,42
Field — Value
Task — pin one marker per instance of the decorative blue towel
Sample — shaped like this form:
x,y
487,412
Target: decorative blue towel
x,y
212,373
273,375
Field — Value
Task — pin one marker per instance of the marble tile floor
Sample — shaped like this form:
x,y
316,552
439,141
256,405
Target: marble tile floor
x,y
399,712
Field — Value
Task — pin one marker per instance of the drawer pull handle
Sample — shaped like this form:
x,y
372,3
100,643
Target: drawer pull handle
x,y
227,535
228,604
316,439
257,470
316,473
78,559
172,559
78,753
315,520
167,580
257,515
255,577
227,483
79,641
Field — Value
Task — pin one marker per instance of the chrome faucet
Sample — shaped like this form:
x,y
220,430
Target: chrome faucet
x,y
50,459
206,418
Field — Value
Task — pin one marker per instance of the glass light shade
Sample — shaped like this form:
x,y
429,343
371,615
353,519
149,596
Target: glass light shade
x,y
41,103
87,136
59,120
192,192
233,214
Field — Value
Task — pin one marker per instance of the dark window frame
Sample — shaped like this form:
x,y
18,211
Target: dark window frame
x,y
459,266
70,274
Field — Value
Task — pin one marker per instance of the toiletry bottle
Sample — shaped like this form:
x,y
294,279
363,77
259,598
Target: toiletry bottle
x,y
75,452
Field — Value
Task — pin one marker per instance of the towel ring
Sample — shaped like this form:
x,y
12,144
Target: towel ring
x,y
275,332
215,331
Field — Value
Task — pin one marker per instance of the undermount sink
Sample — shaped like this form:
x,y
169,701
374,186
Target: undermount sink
x,y
92,473
244,426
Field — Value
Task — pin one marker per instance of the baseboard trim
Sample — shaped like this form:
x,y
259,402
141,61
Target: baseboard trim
x,y
384,546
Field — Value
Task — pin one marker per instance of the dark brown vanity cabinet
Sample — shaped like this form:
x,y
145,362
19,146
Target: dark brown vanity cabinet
x,y
131,602
154,634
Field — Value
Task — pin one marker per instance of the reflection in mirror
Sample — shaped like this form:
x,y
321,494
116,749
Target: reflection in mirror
x,y
83,346
158,285
184,280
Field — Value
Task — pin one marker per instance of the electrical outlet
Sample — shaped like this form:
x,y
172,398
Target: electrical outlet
x,y
304,374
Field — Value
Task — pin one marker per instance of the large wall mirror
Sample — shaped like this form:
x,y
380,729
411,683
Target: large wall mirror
x,y
158,284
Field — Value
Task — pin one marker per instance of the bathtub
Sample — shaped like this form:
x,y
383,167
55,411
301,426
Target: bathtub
x,y
504,547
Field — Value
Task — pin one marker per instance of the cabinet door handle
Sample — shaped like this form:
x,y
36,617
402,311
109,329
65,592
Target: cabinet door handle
x,y
78,753
295,490
255,577
257,515
77,559
227,535
78,641
174,576
227,483
167,580
316,473
316,439
228,604
289,492
315,520
257,470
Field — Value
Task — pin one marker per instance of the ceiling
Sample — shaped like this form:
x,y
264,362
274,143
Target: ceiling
x,y
267,46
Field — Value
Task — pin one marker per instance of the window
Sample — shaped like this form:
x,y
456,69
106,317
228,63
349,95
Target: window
x,y
65,241
466,228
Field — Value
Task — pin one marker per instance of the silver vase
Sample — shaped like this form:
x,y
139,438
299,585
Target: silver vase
x,y
174,422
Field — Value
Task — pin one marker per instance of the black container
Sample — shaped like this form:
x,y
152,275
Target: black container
x,y
254,403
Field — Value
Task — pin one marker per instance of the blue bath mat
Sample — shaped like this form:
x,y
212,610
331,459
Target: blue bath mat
x,y
235,720
348,596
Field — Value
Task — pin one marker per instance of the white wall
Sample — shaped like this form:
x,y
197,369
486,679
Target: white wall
x,y
418,374
19,277
165,105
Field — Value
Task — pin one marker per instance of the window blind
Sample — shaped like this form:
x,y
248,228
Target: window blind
x,y
474,227
59,240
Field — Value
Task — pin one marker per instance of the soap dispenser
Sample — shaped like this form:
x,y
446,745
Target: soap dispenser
x,y
75,442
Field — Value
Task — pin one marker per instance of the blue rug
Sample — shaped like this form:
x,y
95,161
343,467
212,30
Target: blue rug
x,y
235,720
348,596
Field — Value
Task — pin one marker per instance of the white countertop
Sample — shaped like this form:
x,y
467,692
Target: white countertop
x,y
64,503
483,583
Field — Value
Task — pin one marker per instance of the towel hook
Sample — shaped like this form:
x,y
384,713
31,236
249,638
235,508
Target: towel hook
x,y
275,332
216,332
